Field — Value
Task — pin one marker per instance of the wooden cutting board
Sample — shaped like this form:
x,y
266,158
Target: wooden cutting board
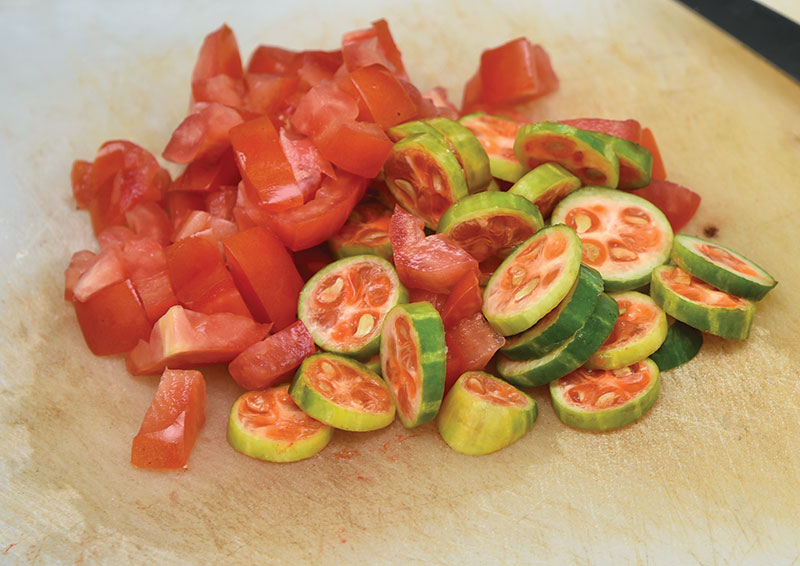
x,y
710,476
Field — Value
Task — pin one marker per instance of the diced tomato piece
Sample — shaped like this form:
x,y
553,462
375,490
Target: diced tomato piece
x,y
207,177
78,264
106,269
307,164
265,171
311,260
149,220
146,262
199,277
648,141
203,134
678,203
434,263
471,98
173,421
389,47
387,100
318,66
200,221
466,299
438,300
547,76
371,46
81,178
323,109
265,275
514,73
219,55
267,93
438,95
184,339
221,88
181,203
630,129
274,359
270,59
473,343
112,320
357,147
220,203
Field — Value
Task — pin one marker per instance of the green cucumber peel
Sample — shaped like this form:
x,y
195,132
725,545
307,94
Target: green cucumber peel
x,y
545,186
681,345
501,167
468,150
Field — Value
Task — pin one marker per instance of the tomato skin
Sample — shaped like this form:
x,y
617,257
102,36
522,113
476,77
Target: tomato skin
x,y
678,203
149,220
274,359
219,55
146,262
207,177
306,162
357,147
113,319
220,88
172,423
265,275
323,109
181,203
466,299
272,60
515,72
388,102
470,345
389,47
648,141
203,134
268,93
81,179
107,268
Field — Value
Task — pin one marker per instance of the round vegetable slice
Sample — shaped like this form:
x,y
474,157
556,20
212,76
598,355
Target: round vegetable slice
x,y
545,186
681,345
269,426
342,393
561,322
497,135
572,354
532,280
640,330
585,154
467,149
624,236
722,267
491,223
424,176
344,304
413,355
698,304
365,232
596,399
482,414
400,131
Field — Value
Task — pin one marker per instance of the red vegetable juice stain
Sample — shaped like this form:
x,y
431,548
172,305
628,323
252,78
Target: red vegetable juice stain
x,y
346,454
340,533
9,547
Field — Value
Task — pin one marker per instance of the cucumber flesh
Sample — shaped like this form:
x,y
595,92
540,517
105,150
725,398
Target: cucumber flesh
x,y
681,345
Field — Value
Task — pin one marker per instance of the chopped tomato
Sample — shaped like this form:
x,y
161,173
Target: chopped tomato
x,y
385,97
146,262
678,203
81,178
183,339
181,203
472,343
323,109
515,72
172,422
318,66
203,134
434,263
206,177
268,94
78,264
357,147
270,59
466,299
149,220
265,275
306,162
438,95
200,221
220,203
274,359
371,46
219,55
105,269
648,141
220,88
438,300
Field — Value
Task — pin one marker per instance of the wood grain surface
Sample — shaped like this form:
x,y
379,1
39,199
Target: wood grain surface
x,y
710,476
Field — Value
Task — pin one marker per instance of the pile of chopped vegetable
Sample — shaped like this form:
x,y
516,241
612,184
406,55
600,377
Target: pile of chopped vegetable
x,y
357,250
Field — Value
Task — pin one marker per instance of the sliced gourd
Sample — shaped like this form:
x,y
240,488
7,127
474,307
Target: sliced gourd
x,y
497,135
468,150
365,232
545,186
681,345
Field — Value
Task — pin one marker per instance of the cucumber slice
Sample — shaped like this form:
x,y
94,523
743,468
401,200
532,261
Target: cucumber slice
x,y
624,236
532,280
722,267
561,322
424,176
586,155
468,150
572,354
490,223
374,364
269,426
698,304
344,304
482,414
606,399
400,131
365,232
640,330
413,355
342,393
545,186
497,135
635,162
681,345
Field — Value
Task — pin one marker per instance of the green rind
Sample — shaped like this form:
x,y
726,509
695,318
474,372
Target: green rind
x,y
374,364
341,251
326,411
568,357
272,450
369,347
718,275
450,171
469,151
501,168
427,331
543,180
632,157
474,426
400,131
727,322
561,323
600,149
637,348
607,419
632,278
681,345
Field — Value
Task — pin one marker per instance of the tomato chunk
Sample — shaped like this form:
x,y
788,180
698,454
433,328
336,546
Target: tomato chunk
x,y
470,345
515,72
219,55
648,141
172,422
466,299
678,203
203,134
388,102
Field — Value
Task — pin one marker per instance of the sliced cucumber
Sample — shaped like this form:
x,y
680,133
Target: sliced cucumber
x,y
269,426
701,305
635,162
490,223
545,186
640,330
497,135
400,131
682,344
572,354
413,355
482,414
344,304
624,236
722,267
468,150
365,232
606,399
532,280
585,154
561,322
424,176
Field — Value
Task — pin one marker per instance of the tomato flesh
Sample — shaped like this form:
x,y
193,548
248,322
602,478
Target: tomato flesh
x,y
648,141
678,203
470,345
466,299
